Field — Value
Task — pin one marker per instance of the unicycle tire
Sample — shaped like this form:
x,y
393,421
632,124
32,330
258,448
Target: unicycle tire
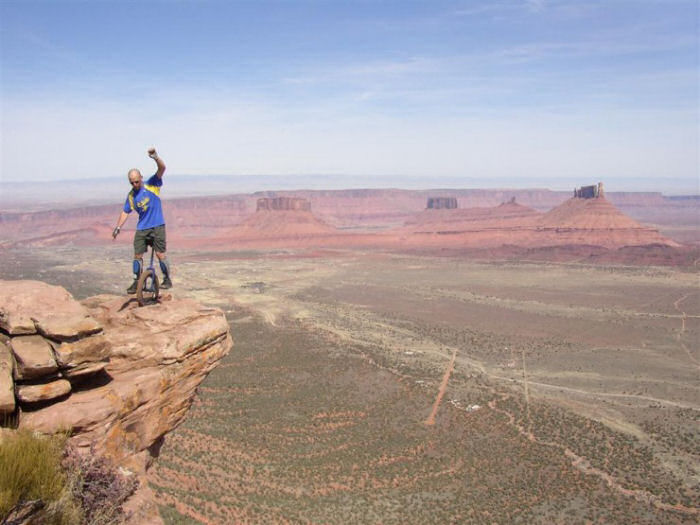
x,y
147,287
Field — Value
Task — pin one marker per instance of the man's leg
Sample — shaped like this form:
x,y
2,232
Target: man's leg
x,y
159,245
165,268
137,265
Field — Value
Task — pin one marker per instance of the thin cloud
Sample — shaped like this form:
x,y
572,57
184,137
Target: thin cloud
x,y
367,69
489,7
600,46
535,5
500,7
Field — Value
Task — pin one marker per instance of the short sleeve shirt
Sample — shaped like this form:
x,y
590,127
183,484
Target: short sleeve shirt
x,y
146,202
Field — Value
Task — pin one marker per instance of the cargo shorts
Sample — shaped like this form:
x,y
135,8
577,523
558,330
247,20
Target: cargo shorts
x,y
150,237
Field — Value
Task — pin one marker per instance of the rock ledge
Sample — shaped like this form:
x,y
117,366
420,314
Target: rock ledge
x,y
118,377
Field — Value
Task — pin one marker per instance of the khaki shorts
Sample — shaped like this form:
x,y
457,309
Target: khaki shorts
x,y
151,237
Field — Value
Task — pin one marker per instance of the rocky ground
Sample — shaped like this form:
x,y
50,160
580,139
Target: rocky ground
x,y
561,392
114,377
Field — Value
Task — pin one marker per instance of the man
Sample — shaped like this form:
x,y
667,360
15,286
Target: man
x,y
150,230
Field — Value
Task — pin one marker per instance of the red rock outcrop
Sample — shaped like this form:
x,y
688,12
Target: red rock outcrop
x,y
283,204
578,221
595,221
587,214
507,215
281,218
589,192
440,203
117,376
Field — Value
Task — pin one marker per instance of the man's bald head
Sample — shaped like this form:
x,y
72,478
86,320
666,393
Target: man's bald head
x,y
135,179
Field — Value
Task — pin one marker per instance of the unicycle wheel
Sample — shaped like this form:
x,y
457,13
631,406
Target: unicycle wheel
x,y
147,287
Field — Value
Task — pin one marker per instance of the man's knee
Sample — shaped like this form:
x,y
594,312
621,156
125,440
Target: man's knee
x,y
160,255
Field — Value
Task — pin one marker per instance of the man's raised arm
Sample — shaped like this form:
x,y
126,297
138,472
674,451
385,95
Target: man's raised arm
x,y
159,162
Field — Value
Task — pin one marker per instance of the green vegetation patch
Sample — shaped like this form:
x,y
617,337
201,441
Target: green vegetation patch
x,y
30,469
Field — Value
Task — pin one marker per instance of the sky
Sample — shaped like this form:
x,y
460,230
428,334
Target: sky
x,y
501,93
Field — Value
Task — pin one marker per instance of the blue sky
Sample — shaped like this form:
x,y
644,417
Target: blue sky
x,y
506,92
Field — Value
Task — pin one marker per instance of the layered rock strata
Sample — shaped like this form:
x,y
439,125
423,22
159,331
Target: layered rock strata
x,y
580,220
210,222
595,221
41,326
508,215
283,203
281,218
118,377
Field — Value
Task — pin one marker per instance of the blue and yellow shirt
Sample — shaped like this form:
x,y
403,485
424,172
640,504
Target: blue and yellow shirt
x,y
146,201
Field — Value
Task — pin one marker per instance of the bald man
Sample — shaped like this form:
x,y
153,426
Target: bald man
x,y
150,230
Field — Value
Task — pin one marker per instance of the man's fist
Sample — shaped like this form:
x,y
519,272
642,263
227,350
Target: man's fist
x,y
115,232
152,153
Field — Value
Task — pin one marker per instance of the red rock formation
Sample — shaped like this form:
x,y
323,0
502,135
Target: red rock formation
x,y
440,203
579,221
118,377
279,218
595,221
283,204
589,192
587,214
506,215
214,221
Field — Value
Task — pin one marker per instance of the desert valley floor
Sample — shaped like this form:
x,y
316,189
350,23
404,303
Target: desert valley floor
x,y
372,387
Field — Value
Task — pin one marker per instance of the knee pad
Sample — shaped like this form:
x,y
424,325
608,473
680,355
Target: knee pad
x,y
137,267
164,267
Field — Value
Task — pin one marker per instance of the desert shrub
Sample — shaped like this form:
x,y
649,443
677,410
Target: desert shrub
x,y
30,469
98,486
61,485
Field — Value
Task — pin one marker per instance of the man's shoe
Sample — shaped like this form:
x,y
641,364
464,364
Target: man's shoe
x,y
132,288
167,283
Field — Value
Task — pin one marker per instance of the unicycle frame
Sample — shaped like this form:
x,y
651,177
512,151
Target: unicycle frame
x,y
148,286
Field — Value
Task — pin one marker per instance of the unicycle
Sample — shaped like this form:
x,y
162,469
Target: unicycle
x,y
148,285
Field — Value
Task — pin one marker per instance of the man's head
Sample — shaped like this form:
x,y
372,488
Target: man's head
x,y
135,179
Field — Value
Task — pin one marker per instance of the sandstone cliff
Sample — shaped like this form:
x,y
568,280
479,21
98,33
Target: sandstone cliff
x,y
118,377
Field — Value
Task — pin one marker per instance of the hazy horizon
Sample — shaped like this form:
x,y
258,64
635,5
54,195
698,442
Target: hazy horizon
x,y
112,189
667,186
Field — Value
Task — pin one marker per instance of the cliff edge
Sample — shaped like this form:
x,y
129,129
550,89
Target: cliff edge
x,y
118,377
